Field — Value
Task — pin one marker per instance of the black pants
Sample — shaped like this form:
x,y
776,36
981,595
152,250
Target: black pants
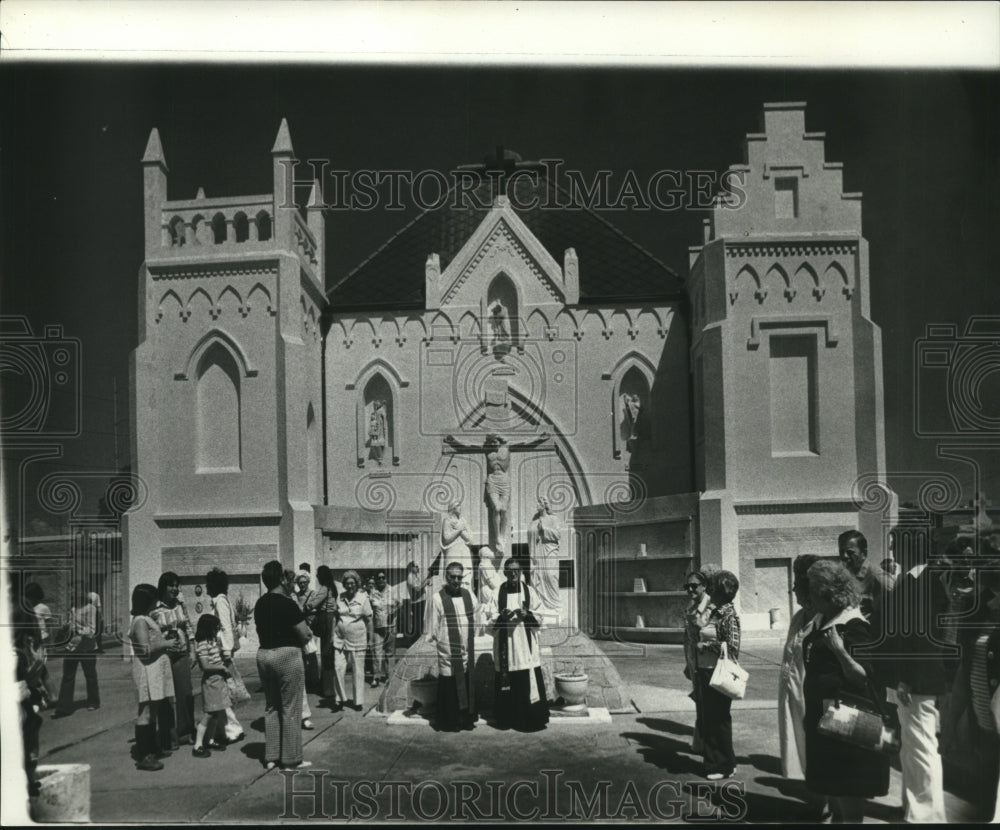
x,y
180,666
88,662
715,725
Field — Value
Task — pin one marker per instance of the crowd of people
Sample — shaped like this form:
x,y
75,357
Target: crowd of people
x,y
907,640
307,634
911,641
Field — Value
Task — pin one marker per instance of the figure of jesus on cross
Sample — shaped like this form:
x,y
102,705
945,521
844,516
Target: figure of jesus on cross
x,y
496,494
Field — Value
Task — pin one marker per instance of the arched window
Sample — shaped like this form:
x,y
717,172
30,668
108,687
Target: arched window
x,y
377,422
218,411
263,226
199,230
632,412
502,316
241,227
219,228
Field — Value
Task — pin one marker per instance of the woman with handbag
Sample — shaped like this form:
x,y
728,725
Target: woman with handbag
x,y
695,616
847,773
152,676
217,586
719,637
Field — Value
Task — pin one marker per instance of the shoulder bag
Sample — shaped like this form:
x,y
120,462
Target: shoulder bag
x,y
729,677
237,688
862,723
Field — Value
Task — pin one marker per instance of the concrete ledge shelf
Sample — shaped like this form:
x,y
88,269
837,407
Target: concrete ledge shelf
x,y
646,558
648,634
645,593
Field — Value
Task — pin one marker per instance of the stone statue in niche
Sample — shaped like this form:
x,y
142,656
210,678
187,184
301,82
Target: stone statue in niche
x,y
544,547
378,430
631,415
500,328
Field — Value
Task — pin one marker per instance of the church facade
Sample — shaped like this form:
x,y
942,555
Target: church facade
x,y
726,416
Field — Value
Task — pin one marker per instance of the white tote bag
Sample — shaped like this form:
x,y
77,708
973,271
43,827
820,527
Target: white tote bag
x,y
729,677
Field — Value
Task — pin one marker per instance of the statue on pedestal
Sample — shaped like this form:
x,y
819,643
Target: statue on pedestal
x,y
455,538
500,329
544,545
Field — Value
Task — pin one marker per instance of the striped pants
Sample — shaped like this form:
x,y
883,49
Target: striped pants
x,y
282,674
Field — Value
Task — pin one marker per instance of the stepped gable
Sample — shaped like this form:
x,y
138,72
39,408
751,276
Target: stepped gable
x,y
612,266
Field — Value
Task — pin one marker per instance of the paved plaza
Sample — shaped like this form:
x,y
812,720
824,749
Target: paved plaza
x,y
639,766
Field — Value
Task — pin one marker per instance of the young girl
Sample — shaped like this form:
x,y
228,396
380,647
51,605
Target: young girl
x,y
214,689
154,682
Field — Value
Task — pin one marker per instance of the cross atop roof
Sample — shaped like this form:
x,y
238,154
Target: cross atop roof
x,y
503,160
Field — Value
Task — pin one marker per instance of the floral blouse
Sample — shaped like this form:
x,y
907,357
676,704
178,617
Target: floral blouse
x,y
722,626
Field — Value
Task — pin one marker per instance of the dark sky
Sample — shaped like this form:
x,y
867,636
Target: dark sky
x,y
921,146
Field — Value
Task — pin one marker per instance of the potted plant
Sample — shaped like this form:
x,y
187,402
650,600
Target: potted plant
x,y
423,693
572,686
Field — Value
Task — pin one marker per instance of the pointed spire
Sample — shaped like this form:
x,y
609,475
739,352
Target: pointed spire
x,y
200,194
283,143
154,150
314,199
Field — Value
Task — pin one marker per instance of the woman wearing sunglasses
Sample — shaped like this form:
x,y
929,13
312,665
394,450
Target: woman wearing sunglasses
x,y
695,617
721,628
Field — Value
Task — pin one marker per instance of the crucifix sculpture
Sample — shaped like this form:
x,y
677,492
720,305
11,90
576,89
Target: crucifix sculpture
x,y
497,491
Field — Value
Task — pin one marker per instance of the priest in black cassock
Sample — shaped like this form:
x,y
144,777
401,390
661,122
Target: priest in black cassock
x,y
520,691
451,625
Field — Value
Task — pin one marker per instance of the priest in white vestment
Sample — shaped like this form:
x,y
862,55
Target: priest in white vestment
x,y
520,701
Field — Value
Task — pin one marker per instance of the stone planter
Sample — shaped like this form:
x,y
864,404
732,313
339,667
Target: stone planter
x,y
423,694
64,795
572,688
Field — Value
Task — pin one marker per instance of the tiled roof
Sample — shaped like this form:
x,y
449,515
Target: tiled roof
x,y
612,266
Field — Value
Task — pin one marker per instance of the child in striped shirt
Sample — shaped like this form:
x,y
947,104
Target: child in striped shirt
x,y
214,689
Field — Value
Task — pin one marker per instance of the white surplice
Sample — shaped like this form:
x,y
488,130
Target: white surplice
x,y
521,655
